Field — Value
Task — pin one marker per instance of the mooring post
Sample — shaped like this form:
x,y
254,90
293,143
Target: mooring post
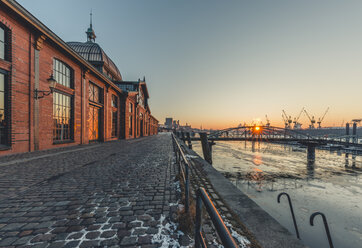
x,y
354,132
346,162
347,133
188,136
311,153
206,148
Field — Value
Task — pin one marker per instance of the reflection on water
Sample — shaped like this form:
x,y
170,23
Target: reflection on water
x,y
331,185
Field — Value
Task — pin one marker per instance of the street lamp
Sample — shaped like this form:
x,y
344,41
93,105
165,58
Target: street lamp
x,y
41,93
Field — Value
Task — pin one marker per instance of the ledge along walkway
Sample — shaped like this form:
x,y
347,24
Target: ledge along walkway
x,y
102,195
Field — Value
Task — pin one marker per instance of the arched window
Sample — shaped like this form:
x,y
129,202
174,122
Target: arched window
x,y
62,73
62,103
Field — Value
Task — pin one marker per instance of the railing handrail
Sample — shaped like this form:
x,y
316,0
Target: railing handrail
x,y
179,153
223,232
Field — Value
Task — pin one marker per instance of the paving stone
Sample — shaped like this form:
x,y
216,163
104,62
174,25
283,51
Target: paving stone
x,y
75,235
57,244
129,241
42,237
143,240
108,234
72,244
7,241
110,242
123,233
93,243
22,240
25,233
13,226
105,187
92,235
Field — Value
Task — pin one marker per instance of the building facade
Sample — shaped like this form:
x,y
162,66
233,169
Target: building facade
x,y
55,94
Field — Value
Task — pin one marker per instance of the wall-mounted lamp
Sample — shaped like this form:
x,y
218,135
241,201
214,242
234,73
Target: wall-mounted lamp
x,y
41,93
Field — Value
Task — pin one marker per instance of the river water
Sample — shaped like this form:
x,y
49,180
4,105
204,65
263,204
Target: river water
x,y
333,185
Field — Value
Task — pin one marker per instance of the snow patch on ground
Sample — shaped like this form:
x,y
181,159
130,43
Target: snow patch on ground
x,y
242,241
177,186
168,235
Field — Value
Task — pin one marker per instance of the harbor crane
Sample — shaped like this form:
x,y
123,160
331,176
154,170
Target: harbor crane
x,y
312,120
322,118
285,121
288,120
298,125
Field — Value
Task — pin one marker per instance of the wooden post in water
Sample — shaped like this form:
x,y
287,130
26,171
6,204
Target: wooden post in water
x,y
189,140
183,136
311,154
206,148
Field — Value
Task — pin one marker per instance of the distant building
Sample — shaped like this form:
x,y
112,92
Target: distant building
x,y
186,128
168,122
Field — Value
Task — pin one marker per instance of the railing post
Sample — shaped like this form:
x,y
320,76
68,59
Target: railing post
x,y
198,220
187,190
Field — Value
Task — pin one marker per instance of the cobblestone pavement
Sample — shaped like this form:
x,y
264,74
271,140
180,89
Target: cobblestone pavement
x,y
110,194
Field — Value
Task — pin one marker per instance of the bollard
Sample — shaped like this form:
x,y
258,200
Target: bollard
x,y
354,132
347,133
311,154
188,136
206,148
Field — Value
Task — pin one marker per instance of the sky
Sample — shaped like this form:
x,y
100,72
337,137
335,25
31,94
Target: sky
x,y
221,63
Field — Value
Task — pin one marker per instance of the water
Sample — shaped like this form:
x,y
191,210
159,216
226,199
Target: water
x,y
332,185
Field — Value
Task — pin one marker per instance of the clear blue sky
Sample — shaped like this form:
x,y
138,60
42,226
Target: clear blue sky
x,y
220,63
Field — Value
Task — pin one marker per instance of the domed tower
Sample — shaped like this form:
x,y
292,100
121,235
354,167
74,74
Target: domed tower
x,y
95,55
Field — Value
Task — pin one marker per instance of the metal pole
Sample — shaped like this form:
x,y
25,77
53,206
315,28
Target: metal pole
x,y
198,220
187,188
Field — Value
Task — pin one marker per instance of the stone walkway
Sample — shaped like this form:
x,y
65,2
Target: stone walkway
x,y
111,194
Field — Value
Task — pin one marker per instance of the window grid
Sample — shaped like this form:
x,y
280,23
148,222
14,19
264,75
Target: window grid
x,y
2,43
3,115
62,73
62,111
94,93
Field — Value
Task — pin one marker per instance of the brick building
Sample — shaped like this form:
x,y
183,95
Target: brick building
x,y
138,119
54,93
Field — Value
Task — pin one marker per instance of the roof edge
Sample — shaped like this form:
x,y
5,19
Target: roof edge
x,y
32,20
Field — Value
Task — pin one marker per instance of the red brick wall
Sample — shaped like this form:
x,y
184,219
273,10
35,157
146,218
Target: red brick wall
x,y
21,69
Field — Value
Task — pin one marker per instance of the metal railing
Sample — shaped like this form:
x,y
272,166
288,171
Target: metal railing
x,y
223,232
183,166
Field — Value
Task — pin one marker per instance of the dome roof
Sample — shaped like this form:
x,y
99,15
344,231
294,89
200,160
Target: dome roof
x,y
94,54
